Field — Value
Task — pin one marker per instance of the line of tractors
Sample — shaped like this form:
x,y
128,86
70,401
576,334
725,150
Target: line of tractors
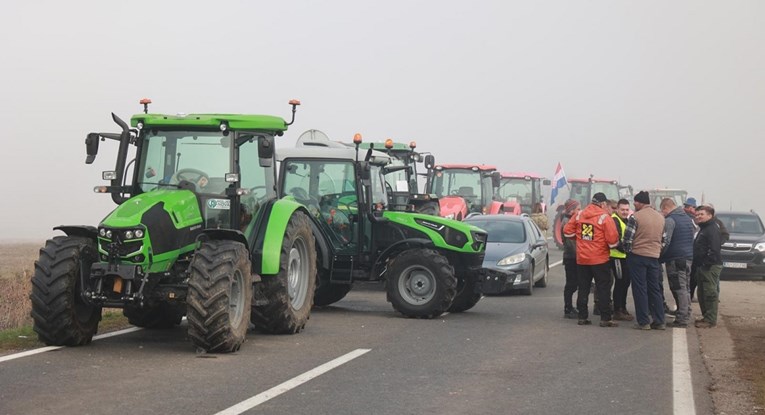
x,y
214,224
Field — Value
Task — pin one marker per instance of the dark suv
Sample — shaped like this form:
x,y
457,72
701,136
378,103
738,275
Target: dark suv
x,y
744,253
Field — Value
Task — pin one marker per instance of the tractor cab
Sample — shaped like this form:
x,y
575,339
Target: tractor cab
x,y
464,188
582,190
677,195
521,191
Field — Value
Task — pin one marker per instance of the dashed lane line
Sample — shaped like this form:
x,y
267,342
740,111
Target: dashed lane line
x,y
682,387
291,384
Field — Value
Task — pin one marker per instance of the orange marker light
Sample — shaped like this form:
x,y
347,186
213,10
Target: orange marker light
x,y
145,101
294,102
389,143
357,138
412,145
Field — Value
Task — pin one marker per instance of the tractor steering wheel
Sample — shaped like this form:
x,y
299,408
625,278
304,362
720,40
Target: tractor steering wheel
x,y
188,174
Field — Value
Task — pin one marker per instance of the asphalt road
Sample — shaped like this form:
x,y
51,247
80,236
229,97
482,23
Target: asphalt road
x,y
509,355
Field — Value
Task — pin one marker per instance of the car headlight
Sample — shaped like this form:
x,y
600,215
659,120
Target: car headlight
x,y
760,247
512,259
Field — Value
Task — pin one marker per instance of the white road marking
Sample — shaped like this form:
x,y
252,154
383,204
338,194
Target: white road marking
x,y
50,348
682,388
555,264
291,384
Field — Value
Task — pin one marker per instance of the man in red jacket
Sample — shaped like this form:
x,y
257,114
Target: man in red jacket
x,y
595,234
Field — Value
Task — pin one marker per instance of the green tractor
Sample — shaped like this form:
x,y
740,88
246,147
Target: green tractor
x,y
198,231
430,265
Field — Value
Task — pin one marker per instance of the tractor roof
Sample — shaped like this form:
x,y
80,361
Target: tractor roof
x,y
520,175
380,145
482,167
595,180
234,121
329,153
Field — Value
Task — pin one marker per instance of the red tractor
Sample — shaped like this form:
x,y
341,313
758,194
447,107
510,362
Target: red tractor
x,y
582,191
464,188
520,191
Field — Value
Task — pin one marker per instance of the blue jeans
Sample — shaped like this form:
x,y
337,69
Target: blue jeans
x,y
646,289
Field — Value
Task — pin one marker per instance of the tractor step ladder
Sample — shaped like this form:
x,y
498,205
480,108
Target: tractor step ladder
x,y
342,270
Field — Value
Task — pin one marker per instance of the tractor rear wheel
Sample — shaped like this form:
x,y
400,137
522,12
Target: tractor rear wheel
x,y
290,293
420,283
61,317
219,296
159,316
466,297
327,293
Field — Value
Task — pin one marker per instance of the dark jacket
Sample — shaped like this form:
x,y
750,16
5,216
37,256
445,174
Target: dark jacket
x,y
679,228
569,244
706,247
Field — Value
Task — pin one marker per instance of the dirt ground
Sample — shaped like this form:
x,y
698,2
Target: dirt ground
x,y
733,351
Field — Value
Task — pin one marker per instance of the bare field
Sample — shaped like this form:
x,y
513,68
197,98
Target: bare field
x,y
16,268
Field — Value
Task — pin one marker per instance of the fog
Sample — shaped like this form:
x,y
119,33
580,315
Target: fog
x,y
652,93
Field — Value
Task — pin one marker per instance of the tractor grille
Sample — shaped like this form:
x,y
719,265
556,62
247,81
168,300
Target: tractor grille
x,y
123,249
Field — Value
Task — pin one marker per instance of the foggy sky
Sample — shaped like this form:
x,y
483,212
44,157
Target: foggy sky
x,y
653,93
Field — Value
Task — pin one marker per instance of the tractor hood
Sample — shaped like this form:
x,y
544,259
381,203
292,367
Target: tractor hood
x,y
181,206
445,233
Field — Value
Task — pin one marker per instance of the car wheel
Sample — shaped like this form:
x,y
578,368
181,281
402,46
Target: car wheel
x,y
530,289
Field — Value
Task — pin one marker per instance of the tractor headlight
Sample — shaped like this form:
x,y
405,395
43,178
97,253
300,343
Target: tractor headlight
x,y
108,234
102,232
760,247
512,259
139,233
128,234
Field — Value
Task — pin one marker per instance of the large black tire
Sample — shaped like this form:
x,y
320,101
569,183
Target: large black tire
x,y
466,297
219,296
543,281
290,293
61,317
160,316
327,293
420,283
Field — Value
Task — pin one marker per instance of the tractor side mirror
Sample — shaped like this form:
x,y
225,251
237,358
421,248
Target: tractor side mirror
x,y
546,182
496,178
266,151
91,147
430,161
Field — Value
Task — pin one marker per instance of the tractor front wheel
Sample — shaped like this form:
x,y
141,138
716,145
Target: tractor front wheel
x,y
420,283
219,296
466,297
290,293
61,317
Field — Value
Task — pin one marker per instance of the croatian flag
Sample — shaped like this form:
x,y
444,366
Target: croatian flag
x,y
559,182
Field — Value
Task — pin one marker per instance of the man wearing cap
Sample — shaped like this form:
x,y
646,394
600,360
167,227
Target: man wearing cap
x,y
643,242
595,234
570,208
689,206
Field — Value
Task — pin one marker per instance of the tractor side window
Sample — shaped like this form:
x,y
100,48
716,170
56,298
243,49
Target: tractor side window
x,y
379,195
258,180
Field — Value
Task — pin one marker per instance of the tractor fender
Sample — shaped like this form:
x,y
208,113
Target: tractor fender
x,y
397,248
454,206
222,235
85,231
322,248
281,212
495,207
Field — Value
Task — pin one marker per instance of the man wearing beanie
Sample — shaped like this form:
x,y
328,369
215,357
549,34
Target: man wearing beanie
x,y
570,208
595,234
643,242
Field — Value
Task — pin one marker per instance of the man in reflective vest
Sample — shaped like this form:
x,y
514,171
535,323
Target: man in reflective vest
x,y
619,263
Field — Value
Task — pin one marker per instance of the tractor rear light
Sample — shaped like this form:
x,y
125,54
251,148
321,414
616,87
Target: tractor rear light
x,y
109,175
100,189
139,233
232,177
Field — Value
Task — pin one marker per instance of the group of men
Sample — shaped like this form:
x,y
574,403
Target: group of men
x,y
607,244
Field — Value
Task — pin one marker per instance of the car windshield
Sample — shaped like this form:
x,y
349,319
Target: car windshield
x,y
746,224
503,231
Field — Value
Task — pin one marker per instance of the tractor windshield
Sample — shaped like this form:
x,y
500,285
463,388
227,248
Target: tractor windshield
x,y
583,192
515,189
457,182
